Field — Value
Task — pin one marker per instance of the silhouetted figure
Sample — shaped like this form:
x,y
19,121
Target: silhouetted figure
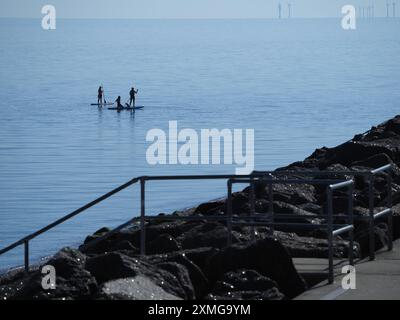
x,y
132,95
394,9
289,10
118,101
100,95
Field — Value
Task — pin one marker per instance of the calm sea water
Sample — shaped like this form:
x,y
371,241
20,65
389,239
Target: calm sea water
x,y
300,84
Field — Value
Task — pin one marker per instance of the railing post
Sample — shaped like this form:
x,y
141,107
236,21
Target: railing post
x,y
350,221
371,218
26,255
252,206
271,203
142,217
390,216
330,235
229,213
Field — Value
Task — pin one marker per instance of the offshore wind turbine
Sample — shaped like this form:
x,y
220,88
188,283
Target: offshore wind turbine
x,y
280,11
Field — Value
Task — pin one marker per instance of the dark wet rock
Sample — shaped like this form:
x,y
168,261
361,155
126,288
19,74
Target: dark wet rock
x,y
112,266
245,285
210,234
115,265
279,207
124,245
197,277
67,262
211,208
272,294
129,238
200,256
381,239
393,125
182,275
240,203
375,161
99,233
134,288
315,247
153,231
72,280
350,152
255,256
163,244
311,207
93,243
294,193
298,193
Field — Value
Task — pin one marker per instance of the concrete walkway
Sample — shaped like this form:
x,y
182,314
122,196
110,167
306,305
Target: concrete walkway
x,y
375,280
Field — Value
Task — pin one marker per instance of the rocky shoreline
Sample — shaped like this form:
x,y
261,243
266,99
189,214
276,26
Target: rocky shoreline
x,y
189,260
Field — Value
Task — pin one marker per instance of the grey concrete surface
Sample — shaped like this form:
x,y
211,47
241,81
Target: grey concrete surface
x,y
375,280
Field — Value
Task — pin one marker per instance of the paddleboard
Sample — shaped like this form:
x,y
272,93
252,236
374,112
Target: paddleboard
x,y
102,104
125,108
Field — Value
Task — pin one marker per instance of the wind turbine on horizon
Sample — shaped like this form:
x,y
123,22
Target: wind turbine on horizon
x,y
289,10
280,11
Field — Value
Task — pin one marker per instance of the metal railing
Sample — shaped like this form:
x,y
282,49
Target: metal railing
x,y
252,177
333,230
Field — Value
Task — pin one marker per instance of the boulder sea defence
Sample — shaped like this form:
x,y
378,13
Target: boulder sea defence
x,y
191,260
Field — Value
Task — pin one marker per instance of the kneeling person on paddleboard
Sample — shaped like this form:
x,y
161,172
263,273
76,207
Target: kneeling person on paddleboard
x,y
118,101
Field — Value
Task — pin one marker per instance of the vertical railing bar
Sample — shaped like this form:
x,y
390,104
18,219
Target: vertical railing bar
x,y
390,215
142,217
26,255
330,235
229,213
371,218
252,206
350,221
271,203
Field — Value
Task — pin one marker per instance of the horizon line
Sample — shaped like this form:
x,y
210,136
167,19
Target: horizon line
x,y
197,18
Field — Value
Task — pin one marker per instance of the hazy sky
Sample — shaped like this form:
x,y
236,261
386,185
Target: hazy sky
x,y
184,8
